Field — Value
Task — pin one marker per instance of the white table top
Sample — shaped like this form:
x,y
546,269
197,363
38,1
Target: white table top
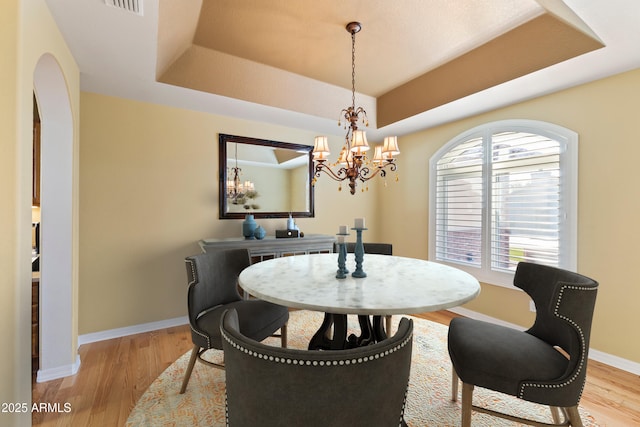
x,y
394,285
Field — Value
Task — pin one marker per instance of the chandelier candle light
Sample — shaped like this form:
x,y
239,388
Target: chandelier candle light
x,y
353,162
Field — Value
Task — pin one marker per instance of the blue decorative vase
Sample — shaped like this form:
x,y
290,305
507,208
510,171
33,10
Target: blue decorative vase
x,y
259,233
248,226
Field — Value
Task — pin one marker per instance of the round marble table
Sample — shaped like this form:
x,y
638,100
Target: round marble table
x,y
394,285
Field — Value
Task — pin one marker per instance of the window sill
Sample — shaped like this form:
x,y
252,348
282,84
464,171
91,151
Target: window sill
x,y
504,280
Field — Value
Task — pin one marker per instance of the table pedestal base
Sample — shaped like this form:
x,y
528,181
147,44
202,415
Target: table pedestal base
x,y
370,333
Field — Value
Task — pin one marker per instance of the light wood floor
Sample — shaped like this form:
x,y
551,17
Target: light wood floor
x,y
115,373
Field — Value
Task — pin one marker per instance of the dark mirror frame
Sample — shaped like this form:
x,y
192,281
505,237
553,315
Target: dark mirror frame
x,y
222,176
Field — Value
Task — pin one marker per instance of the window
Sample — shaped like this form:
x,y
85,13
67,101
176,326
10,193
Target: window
x,y
502,193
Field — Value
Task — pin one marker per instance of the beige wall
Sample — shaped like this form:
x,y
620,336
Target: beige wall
x,y
605,115
27,31
148,193
9,387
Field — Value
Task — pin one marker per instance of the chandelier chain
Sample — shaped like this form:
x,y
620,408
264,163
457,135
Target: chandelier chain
x,y
353,69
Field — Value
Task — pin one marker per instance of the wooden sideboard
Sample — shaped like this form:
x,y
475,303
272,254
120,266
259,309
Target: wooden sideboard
x,y
271,247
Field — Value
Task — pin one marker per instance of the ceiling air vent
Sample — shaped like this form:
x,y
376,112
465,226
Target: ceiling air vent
x,y
133,6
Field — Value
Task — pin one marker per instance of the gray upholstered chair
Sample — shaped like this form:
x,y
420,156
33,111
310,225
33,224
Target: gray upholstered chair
x,y
528,364
271,386
213,288
373,248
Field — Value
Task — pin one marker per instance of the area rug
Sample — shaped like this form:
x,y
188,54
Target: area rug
x,y
428,401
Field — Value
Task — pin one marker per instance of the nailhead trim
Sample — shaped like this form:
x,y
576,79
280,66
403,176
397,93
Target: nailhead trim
x,y
404,406
192,265
290,361
226,408
583,345
302,362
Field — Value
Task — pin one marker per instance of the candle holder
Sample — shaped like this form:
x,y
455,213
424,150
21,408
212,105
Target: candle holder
x,y
359,253
342,259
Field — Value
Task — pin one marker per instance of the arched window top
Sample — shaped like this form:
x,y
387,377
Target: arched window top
x,y
505,192
547,129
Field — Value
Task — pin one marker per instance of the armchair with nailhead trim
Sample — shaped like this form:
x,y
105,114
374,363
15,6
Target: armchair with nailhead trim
x,y
213,288
268,386
545,364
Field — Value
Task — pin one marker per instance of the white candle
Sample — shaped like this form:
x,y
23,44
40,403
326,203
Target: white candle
x,y
359,223
341,239
342,229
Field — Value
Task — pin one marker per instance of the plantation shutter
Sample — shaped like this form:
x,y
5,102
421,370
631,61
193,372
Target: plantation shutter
x,y
502,193
525,199
459,202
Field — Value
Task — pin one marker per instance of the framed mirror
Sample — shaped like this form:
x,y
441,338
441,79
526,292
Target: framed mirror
x,y
268,179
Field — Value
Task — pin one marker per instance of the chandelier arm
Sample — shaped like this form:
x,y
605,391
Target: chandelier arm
x,y
327,170
363,174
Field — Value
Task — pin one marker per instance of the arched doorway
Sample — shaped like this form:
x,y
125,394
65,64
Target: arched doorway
x,y
58,325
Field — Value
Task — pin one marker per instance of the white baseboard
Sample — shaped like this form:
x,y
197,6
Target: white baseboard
x,y
68,370
45,375
600,356
615,361
609,359
131,330
479,316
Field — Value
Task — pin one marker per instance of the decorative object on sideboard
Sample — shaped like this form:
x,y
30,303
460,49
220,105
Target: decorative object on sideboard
x,y
292,229
291,224
288,234
353,164
259,233
248,226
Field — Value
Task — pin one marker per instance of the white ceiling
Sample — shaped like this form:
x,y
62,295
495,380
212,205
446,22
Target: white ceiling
x,y
117,51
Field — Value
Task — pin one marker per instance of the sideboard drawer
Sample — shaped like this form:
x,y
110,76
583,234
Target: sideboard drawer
x,y
271,247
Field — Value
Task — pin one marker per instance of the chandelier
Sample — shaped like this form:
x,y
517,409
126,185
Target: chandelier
x,y
353,163
237,191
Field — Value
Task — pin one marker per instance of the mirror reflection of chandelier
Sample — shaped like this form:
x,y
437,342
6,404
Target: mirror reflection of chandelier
x,y
353,163
237,191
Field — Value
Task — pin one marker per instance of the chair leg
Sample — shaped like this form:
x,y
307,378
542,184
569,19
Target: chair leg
x,y
574,416
187,374
467,400
454,385
555,414
283,335
388,325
